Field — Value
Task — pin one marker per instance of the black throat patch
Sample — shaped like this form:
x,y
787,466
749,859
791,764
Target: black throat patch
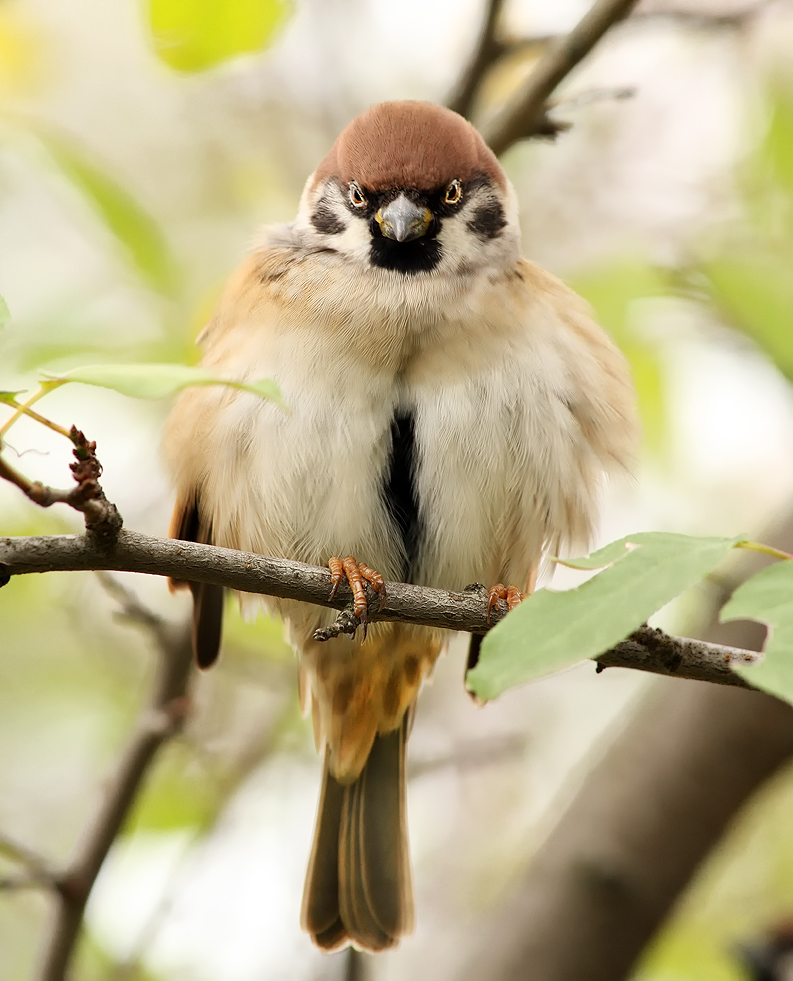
x,y
400,491
409,258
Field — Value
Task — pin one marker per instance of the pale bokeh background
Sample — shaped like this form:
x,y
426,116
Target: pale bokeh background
x,y
671,211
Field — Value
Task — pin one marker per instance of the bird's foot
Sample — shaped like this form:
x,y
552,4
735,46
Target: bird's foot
x,y
511,594
355,573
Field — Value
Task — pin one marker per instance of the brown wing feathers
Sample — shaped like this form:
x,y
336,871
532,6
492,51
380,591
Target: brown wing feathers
x,y
187,526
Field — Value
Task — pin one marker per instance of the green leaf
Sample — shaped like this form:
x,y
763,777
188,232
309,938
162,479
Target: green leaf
x,y
5,314
768,597
10,398
604,557
190,35
156,381
126,219
551,630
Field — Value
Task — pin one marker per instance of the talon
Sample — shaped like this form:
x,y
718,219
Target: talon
x,y
513,596
355,573
336,575
494,594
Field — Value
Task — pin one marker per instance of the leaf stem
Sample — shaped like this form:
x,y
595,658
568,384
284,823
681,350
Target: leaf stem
x,y
24,409
775,553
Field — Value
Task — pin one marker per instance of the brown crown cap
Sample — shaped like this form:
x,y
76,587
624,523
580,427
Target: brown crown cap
x,y
409,145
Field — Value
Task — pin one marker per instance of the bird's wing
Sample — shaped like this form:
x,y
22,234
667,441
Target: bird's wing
x,y
188,526
602,396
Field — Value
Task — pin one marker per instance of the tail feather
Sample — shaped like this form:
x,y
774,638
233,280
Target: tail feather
x,y
357,908
320,915
358,887
386,879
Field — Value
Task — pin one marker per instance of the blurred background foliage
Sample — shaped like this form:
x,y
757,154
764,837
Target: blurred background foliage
x,y
140,146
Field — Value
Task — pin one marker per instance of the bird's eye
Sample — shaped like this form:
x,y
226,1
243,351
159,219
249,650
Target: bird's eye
x,y
454,193
357,197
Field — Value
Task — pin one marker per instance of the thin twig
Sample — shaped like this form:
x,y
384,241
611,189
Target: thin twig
x,y
525,113
263,744
132,609
487,51
700,19
159,721
528,112
101,516
589,96
734,19
37,868
645,650
17,883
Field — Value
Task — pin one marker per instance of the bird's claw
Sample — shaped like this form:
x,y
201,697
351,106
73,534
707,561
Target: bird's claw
x,y
355,573
511,594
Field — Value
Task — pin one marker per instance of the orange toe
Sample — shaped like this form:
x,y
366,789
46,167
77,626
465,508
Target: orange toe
x,y
356,573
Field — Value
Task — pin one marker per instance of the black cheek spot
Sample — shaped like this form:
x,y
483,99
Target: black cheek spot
x,y
488,220
326,221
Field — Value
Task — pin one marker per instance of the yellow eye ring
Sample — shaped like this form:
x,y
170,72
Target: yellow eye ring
x,y
357,197
454,192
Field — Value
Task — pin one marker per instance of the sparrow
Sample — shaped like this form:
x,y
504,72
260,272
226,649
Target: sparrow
x,y
453,412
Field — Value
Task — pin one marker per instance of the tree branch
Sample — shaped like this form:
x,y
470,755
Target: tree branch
x,y
646,649
487,51
101,516
158,722
649,649
525,113
641,823
37,870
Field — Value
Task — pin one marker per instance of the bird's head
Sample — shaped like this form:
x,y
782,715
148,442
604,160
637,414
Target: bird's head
x,y
412,188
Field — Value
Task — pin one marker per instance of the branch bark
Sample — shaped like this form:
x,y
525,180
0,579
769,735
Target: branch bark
x,y
645,650
525,113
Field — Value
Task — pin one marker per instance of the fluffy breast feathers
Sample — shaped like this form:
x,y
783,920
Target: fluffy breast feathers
x,y
518,405
520,401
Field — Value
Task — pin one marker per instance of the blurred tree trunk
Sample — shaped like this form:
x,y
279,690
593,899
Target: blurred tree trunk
x,y
645,818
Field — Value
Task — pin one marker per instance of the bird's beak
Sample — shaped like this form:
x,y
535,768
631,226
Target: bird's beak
x,y
402,220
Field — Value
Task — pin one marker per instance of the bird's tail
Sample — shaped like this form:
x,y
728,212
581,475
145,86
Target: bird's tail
x,y
358,886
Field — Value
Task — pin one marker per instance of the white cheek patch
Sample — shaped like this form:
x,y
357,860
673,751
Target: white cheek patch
x,y
466,251
326,217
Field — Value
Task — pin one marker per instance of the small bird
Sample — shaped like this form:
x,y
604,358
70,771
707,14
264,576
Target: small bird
x,y
452,413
